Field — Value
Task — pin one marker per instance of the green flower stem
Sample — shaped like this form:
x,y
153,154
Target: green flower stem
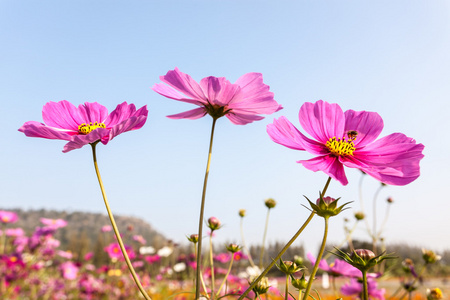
x,y
226,275
250,260
211,262
202,209
286,291
374,230
264,240
266,270
365,289
116,230
201,277
318,259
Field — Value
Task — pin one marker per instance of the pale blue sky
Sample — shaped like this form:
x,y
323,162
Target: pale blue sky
x,y
391,57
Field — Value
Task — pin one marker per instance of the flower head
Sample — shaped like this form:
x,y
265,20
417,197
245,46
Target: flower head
x,y
362,259
430,257
213,223
54,223
349,139
86,124
241,102
8,217
270,203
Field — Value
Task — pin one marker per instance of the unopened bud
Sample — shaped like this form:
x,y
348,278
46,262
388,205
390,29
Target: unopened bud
x,y
390,200
262,286
430,257
213,223
193,238
359,215
299,283
242,213
270,203
233,248
365,254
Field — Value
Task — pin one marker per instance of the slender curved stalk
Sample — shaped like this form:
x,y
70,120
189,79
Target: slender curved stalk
x,y
226,275
266,270
202,209
261,254
250,260
116,230
318,259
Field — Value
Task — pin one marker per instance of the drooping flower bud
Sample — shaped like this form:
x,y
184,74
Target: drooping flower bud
x,y
270,203
213,223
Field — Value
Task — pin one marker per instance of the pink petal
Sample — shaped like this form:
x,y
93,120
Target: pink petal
x,y
393,159
169,92
190,114
185,84
132,123
368,125
79,141
242,119
218,90
62,114
322,120
92,112
36,129
124,111
329,164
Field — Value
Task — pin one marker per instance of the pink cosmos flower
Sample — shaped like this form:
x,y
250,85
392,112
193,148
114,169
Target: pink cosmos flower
x,y
8,217
338,268
69,270
106,228
241,102
85,124
54,223
349,139
114,251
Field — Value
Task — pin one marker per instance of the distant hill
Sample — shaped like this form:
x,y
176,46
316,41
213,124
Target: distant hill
x,y
83,231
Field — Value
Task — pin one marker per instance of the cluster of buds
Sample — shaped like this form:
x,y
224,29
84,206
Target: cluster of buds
x,y
233,248
326,206
362,259
430,257
213,223
288,267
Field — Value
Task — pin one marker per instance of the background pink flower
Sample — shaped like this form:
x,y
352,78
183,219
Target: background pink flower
x,y
8,217
241,102
85,124
349,139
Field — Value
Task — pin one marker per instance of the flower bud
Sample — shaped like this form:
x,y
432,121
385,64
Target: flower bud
x,y
299,283
193,238
365,254
326,206
362,259
288,267
262,286
213,223
270,203
298,260
233,248
390,200
430,257
242,213
359,216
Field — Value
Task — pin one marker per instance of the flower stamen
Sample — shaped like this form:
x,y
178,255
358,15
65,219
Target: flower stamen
x,y
341,146
87,128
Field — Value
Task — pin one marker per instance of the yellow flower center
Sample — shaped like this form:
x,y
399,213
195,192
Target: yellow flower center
x,y
340,146
87,128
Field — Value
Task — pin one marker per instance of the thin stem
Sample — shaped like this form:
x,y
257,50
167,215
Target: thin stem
x,y
116,230
202,209
244,245
266,270
201,277
226,275
211,261
365,289
318,259
374,230
286,293
264,239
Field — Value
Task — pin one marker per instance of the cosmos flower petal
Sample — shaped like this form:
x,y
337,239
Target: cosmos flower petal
x,y
92,112
214,87
242,119
190,114
322,120
132,123
62,114
368,125
185,84
121,113
79,141
330,165
36,129
169,92
284,133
